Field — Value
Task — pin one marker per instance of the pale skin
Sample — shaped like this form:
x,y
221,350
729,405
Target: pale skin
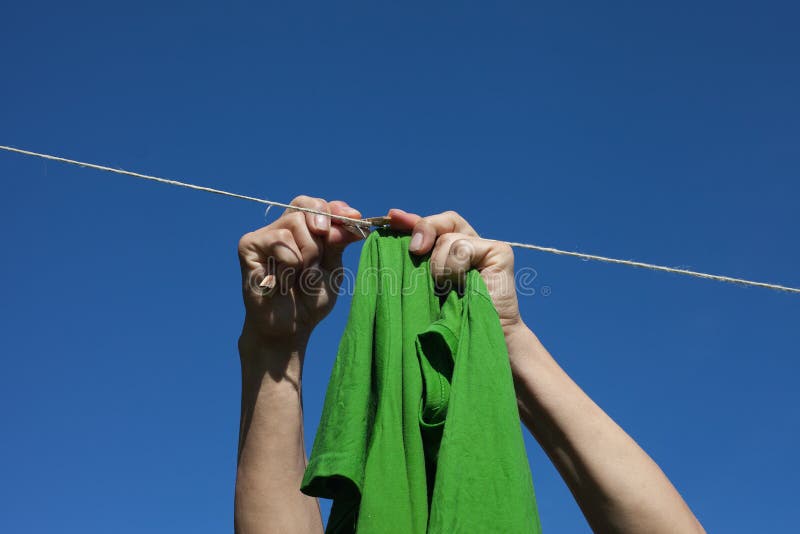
x,y
618,487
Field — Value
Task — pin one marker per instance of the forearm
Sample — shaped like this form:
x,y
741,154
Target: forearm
x,y
272,456
617,485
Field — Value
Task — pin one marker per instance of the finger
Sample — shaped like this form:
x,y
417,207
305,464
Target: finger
x,y
402,220
256,247
443,266
339,235
269,258
309,245
317,223
427,229
455,254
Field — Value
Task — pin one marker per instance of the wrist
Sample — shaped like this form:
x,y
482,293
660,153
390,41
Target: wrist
x,y
277,358
512,327
254,338
524,348
517,335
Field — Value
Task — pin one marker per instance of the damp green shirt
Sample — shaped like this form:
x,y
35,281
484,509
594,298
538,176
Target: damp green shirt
x,y
420,430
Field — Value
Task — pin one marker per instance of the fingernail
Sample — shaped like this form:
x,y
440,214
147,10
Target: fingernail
x,y
321,221
416,242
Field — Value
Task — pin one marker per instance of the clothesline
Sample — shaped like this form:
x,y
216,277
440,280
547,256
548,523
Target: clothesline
x,y
365,223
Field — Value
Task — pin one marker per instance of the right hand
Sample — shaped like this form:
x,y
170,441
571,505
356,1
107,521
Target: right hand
x,y
455,248
303,251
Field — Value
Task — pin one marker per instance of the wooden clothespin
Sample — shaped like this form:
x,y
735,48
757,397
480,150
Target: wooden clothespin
x,y
378,221
366,224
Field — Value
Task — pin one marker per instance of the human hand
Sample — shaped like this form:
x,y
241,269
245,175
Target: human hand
x,y
455,248
299,256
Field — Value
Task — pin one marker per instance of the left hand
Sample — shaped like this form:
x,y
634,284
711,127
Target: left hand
x,y
304,253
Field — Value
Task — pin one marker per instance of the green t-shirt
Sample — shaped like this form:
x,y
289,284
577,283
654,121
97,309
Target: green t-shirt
x,y
420,430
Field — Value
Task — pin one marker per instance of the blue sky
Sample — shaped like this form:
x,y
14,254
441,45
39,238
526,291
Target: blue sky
x,y
665,133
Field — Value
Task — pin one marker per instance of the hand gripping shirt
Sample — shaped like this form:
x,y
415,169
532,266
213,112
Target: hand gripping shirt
x,y
420,431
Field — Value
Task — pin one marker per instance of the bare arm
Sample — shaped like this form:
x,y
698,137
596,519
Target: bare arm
x,y
295,249
618,487
272,455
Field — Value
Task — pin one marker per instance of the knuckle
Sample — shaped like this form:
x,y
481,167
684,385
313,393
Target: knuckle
x,y
504,249
245,242
461,248
283,234
503,254
459,236
449,238
305,201
301,200
295,217
444,239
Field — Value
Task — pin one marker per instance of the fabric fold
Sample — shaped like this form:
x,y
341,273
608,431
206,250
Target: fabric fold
x,y
420,430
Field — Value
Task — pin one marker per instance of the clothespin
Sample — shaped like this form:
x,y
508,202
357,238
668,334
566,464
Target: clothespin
x,y
378,221
366,224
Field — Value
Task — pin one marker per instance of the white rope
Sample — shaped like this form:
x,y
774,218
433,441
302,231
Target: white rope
x,y
717,277
361,223
350,220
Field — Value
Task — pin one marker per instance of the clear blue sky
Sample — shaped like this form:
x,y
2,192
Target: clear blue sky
x,y
666,133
